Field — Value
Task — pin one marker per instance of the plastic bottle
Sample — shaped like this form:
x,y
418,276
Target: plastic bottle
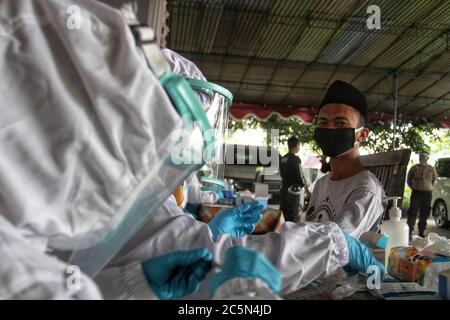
x,y
396,229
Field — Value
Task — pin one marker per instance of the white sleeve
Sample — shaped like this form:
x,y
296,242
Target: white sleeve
x,y
196,195
301,252
30,274
124,283
361,212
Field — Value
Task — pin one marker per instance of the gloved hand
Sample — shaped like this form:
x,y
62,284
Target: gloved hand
x,y
241,262
237,221
219,195
178,273
360,257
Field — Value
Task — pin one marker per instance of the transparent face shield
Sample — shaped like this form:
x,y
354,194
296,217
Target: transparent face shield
x,y
190,145
220,99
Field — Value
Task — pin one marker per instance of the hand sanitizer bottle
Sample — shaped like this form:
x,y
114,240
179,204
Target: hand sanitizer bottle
x,y
396,229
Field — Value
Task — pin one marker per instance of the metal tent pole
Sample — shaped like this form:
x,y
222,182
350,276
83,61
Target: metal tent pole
x,y
395,95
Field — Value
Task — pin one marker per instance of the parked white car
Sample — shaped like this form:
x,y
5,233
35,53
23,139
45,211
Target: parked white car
x,y
441,193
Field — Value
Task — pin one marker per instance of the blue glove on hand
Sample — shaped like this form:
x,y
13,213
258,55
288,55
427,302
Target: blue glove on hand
x,y
177,274
237,221
243,262
360,257
219,195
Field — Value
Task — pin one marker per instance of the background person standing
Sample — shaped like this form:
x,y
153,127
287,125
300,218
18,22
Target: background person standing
x,y
291,176
421,179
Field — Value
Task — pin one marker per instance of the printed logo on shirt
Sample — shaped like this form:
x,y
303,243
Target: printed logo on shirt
x,y
324,212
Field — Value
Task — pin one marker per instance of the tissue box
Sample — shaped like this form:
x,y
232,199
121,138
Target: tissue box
x,y
431,279
444,285
272,219
407,265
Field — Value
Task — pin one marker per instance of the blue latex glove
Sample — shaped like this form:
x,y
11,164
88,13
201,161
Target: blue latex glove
x,y
219,195
237,221
360,257
243,262
177,274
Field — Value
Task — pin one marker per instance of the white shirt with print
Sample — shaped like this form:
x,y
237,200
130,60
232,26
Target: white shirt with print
x,y
355,203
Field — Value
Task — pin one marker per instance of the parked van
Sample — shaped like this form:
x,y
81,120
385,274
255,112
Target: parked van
x,y
441,193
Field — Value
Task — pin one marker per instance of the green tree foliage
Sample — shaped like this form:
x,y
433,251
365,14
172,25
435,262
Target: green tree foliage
x,y
287,128
409,135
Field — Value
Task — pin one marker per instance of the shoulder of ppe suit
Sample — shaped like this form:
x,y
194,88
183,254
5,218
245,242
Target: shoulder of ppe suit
x,y
244,289
125,283
182,66
93,15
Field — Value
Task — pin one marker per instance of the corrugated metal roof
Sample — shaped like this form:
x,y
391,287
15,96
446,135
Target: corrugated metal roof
x,y
248,45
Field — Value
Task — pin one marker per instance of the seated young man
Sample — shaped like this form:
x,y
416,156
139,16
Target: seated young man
x,y
349,195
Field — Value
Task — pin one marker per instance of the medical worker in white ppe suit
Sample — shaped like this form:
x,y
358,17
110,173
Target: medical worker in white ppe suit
x,y
301,252
86,163
216,109
86,135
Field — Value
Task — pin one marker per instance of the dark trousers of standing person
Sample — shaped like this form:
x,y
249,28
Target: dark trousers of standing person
x,y
290,205
420,201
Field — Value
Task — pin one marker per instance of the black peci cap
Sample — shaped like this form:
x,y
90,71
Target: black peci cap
x,y
344,93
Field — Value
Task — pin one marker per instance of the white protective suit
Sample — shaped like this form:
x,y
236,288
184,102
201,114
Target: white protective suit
x,y
194,194
79,143
27,273
80,136
301,252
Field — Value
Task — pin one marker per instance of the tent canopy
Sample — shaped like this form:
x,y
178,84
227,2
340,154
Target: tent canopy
x,y
240,111
287,52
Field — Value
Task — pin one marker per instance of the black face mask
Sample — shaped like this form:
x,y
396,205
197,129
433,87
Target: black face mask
x,y
335,142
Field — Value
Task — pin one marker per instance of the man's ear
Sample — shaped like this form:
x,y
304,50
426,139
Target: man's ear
x,y
362,135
